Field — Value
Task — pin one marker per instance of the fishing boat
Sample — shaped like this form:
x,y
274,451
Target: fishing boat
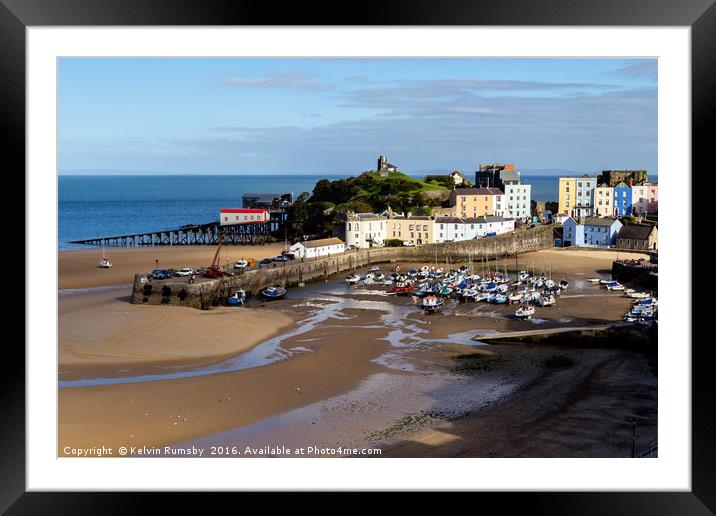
x,y
445,290
525,312
563,284
375,268
104,263
353,279
594,280
403,289
431,304
237,298
604,281
651,301
614,285
378,277
273,293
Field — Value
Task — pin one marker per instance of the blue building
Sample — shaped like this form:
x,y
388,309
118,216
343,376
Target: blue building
x,y
622,200
590,232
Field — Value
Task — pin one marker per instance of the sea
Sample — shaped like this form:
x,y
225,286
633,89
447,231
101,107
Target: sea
x,y
108,205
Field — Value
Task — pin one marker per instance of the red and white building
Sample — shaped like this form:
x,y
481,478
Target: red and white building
x,y
242,216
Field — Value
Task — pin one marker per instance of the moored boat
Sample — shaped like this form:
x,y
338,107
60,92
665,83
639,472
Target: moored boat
x,y
237,298
275,292
353,279
431,304
525,312
403,289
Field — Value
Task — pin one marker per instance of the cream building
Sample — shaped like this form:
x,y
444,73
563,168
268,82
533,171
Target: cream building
x,y
603,199
568,195
417,230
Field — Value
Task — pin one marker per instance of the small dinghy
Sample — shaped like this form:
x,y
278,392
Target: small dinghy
x,y
525,312
352,279
594,280
515,297
375,268
563,284
431,304
237,298
272,293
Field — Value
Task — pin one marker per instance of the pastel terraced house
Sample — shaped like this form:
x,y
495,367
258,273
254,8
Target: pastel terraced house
x,y
477,202
603,200
591,232
645,199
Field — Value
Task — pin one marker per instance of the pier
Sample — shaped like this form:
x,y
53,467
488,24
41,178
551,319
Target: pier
x,y
199,234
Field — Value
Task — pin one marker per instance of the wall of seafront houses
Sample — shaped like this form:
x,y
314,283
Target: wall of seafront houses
x,y
211,292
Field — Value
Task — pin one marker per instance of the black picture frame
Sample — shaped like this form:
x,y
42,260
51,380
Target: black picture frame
x,y
17,15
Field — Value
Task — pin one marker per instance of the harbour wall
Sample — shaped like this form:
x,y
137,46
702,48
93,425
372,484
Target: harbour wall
x,y
207,293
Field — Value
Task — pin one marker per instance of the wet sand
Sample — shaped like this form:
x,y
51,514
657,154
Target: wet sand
x,y
349,367
78,269
102,335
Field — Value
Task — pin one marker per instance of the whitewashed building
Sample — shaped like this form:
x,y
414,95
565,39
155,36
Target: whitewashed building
x,y
448,229
479,227
318,248
365,229
242,216
517,201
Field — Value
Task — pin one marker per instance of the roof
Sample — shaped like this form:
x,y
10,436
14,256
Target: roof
x,y
509,175
322,242
478,191
367,216
241,210
489,218
599,221
449,220
636,232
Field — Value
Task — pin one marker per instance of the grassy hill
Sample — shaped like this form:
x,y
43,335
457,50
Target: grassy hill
x,y
315,214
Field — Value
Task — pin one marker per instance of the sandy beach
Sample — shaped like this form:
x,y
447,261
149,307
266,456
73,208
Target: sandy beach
x,y
331,363
78,269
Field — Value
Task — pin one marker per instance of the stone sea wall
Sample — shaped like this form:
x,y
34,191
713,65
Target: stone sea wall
x,y
207,293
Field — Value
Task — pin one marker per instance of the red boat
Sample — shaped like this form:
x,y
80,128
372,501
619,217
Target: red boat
x,y
403,288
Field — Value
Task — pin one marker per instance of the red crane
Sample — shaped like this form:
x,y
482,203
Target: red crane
x,y
214,271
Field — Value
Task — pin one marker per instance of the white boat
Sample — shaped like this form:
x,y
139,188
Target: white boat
x,y
636,295
352,279
525,312
547,300
432,304
515,297
375,268
241,264
104,263
594,280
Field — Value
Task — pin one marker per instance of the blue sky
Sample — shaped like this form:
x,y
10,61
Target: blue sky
x,y
336,116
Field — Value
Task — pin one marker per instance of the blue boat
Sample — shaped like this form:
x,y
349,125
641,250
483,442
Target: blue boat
x,y
237,298
272,293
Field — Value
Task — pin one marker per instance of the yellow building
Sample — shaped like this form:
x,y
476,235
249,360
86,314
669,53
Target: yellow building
x,y
603,203
477,202
568,195
417,230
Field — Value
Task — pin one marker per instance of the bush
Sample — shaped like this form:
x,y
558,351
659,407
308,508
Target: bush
x,y
393,242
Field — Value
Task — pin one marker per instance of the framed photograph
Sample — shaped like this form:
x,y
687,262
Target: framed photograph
x,y
420,252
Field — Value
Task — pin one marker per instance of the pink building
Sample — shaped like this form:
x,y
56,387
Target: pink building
x,y
645,199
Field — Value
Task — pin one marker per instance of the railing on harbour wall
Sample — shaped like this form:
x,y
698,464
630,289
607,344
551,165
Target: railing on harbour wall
x,y
207,293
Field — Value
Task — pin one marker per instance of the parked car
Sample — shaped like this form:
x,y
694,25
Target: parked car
x,y
266,261
281,258
161,274
351,246
185,271
408,243
289,255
